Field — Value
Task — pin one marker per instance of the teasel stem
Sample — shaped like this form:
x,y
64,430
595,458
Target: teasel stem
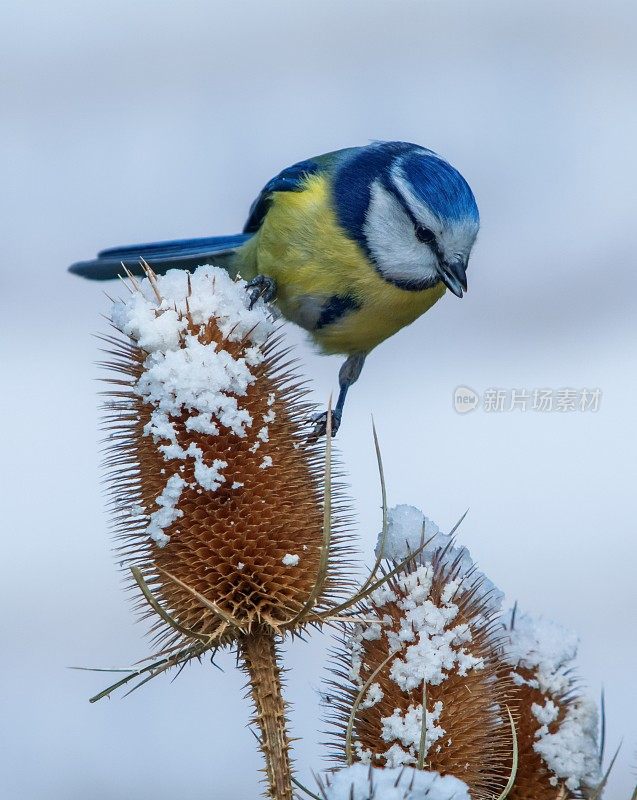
x,y
258,652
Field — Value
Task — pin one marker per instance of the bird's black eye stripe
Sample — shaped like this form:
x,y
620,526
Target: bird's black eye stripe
x,y
425,234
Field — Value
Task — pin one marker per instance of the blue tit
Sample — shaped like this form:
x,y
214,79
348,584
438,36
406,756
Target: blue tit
x,y
351,246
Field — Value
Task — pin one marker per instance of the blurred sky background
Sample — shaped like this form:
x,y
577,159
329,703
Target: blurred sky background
x,y
133,121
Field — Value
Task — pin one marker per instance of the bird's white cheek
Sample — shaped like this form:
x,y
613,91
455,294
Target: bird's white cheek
x,y
392,243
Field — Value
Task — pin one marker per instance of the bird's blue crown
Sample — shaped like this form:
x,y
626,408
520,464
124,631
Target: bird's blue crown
x,y
432,180
441,187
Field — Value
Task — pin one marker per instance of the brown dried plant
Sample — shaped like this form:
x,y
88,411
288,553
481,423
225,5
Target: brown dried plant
x,y
547,698
478,745
534,779
260,554
246,542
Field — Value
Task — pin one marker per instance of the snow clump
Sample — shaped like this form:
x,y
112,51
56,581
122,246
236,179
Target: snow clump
x,y
542,654
430,645
187,376
408,529
359,782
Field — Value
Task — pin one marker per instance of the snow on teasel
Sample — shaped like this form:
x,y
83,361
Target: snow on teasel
x,y
408,529
359,782
435,646
214,482
559,751
557,729
187,379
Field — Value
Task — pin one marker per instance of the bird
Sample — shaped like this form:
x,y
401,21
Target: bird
x,y
351,246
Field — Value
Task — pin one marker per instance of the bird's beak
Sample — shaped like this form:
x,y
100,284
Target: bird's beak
x,y
454,276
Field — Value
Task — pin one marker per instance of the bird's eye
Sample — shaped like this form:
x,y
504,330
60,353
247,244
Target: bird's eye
x,y
425,234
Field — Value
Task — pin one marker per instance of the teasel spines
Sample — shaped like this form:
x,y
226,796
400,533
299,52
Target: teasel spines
x,y
252,544
559,756
227,516
374,701
534,779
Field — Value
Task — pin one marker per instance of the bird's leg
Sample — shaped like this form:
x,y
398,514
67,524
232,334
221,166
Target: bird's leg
x,y
347,375
261,286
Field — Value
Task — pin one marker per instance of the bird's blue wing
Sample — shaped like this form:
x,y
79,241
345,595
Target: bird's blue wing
x,y
161,256
291,179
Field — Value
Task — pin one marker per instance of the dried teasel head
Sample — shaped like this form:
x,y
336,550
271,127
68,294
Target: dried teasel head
x,y
557,728
218,495
421,683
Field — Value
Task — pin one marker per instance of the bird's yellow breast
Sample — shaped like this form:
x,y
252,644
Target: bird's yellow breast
x,y
302,246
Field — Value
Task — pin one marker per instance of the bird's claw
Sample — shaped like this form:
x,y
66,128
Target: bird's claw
x,y
320,424
261,286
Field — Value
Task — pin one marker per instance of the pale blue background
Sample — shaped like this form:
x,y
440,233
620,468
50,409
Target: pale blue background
x,y
128,121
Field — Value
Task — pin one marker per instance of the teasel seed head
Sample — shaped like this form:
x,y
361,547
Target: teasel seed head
x,y
557,726
218,495
435,644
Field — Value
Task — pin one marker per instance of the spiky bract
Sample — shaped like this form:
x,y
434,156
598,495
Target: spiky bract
x,y
246,553
557,726
466,687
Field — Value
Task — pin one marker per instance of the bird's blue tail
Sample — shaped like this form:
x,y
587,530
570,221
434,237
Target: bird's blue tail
x,y
161,256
